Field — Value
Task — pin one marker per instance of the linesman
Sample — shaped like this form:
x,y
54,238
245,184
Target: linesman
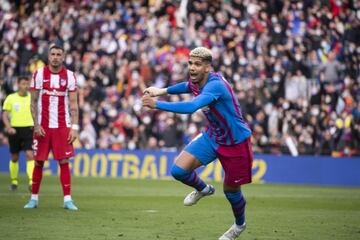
x,y
19,128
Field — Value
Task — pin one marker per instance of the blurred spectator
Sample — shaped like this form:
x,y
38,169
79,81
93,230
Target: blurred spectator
x,y
88,133
330,70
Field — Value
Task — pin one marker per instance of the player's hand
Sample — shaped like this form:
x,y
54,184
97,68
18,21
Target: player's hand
x,y
11,131
39,131
148,101
154,91
73,135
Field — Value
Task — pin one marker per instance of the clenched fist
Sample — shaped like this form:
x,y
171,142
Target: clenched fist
x,y
154,91
148,101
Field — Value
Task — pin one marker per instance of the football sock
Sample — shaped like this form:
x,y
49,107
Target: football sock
x,y
238,203
30,169
65,178
189,178
14,170
67,198
37,177
35,197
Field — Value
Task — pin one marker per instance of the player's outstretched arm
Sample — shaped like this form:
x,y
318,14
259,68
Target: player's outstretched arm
x,y
178,88
211,92
186,107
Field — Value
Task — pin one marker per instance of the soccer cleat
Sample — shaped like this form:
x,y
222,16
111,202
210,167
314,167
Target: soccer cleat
x,y
13,187
31,204
70,206
193,197
233,232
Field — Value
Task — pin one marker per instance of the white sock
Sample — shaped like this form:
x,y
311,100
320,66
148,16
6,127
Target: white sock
x,y
35,197
206,189
67,198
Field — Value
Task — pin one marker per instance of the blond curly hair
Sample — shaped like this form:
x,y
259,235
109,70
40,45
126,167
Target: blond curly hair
x,y
203,53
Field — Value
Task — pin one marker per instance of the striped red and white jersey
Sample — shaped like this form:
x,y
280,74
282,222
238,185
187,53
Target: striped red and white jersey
x,y
53,102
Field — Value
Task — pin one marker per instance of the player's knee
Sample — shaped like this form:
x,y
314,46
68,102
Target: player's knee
x,y
64,161
231,189
14,157
178,173
39,163
29,155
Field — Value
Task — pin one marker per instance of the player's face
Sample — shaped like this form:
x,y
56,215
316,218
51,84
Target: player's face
x,y
23,86
56,57
198,70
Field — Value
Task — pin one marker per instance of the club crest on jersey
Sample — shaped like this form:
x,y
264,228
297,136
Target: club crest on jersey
x,y
62,82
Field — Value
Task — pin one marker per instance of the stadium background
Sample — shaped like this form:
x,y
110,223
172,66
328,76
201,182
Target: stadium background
x,y
294,66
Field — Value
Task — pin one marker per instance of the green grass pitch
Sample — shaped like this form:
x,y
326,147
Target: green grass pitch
x,y
147,209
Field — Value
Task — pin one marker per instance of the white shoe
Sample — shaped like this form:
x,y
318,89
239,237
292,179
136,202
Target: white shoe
x,y
193,197
233,232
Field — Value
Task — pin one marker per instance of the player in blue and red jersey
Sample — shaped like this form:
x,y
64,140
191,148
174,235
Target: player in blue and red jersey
x,y
227,136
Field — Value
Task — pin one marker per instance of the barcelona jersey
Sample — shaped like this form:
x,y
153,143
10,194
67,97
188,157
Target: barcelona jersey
x,y
218,102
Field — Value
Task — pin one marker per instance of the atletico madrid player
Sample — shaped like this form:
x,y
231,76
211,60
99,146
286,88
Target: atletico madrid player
x,y
54,109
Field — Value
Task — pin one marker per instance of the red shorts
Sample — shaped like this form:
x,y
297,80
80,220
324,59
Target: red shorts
x,y
56,140
237,163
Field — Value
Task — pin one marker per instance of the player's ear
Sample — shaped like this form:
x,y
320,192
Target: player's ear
x,y
208,67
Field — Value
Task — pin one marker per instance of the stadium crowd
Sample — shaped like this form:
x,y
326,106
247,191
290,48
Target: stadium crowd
x,y
294,65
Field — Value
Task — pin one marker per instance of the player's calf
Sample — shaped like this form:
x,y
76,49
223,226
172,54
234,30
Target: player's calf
x,y
189,178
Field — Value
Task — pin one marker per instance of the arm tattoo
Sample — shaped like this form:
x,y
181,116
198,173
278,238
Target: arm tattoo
x,y
34,106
